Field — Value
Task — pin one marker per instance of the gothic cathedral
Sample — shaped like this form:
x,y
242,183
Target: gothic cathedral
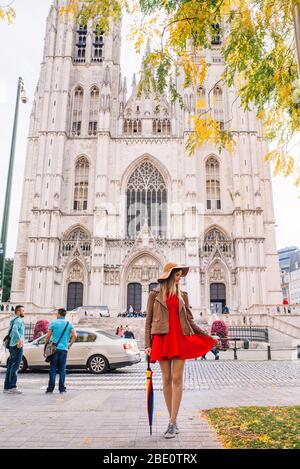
x,y
110,194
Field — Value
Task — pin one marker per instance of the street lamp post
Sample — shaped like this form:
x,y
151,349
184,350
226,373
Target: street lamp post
x,y
20,94
297,34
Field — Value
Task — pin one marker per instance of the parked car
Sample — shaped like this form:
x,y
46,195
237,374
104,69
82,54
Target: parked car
x,y
97,351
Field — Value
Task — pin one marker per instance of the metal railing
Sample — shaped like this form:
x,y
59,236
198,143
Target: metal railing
x,y
29,332
257,334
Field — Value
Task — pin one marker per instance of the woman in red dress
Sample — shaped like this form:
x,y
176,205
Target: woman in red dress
x,y
172,336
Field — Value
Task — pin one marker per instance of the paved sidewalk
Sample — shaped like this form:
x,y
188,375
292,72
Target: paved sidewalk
x,y
199,376
118,419
102,419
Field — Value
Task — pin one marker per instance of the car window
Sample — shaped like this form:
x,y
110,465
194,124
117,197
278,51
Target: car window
x,y
110,336
41,340
84,336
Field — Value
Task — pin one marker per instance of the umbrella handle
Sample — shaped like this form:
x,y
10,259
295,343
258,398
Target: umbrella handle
x,y
148,362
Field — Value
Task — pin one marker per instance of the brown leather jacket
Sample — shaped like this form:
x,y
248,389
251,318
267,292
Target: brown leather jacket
x,y
157,319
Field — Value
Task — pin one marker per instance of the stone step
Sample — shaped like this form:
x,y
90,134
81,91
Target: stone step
x,y
136,325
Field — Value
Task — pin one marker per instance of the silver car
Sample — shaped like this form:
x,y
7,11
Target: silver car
x,y
94,350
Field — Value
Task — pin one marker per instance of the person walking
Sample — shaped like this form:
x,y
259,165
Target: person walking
x,y
59,333
175,337
128,334
120,331
16,344
216,348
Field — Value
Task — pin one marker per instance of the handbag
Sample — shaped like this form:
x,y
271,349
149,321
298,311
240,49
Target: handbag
x,y
50,348
6,340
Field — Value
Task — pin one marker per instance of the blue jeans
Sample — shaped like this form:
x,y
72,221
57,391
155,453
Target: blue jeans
x,y
58,364
15,358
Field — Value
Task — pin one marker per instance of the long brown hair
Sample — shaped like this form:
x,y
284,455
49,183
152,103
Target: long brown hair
x,y
169,287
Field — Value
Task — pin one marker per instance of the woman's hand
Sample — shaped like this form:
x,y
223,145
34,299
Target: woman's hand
x,y
148,351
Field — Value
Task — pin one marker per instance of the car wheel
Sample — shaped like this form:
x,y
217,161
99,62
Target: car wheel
x,y
23,365
98,364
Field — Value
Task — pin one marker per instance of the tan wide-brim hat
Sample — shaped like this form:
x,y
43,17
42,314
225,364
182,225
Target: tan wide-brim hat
x,y
168,269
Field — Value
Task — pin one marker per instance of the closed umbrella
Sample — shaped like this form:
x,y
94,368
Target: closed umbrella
x,y
150,394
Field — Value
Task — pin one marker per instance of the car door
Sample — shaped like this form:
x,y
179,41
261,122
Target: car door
x,y
111,346
36,352
81,349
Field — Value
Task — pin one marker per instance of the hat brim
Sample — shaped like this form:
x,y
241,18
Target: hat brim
x,y
166,275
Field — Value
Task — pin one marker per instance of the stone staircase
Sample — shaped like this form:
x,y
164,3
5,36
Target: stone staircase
x,y
136,325
286,332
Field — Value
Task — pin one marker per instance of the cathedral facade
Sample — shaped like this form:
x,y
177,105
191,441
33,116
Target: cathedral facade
x,y
110,194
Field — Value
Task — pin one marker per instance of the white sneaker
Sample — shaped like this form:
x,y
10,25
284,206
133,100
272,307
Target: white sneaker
x,y
171,431
176,429
14,391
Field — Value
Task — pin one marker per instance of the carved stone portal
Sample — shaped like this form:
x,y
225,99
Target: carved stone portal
x,y
76,273
217,274
144,269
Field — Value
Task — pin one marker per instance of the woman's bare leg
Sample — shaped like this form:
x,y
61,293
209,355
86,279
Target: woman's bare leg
x,y
177,383
165,366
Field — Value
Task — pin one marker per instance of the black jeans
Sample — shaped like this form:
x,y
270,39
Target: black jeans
x,y
58,364
15,358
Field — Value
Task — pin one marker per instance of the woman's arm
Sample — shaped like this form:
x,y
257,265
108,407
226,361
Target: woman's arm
x,y
190,317
149,320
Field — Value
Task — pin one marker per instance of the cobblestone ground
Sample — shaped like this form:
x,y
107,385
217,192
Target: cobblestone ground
x,y
199,375
109,411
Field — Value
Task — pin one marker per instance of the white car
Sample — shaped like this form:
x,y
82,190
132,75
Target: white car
x,y
94,350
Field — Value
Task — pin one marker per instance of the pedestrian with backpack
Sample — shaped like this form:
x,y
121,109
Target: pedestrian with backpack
x,y
14,342
56,349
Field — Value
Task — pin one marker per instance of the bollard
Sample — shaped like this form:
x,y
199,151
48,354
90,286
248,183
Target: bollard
x,y
269,352
234,350
298,351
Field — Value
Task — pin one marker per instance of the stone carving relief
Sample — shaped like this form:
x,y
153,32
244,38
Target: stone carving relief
x,y
144,269
217,274
111,276
76,273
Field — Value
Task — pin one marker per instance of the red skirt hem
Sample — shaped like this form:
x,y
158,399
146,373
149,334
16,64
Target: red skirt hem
x,y
199,344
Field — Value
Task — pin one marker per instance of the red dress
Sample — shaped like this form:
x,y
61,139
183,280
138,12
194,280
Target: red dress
x,y
175,344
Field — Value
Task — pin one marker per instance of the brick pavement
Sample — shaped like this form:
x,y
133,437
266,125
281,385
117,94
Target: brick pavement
x,y
112,417
199,375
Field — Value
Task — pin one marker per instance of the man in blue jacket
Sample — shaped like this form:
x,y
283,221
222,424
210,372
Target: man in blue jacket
x,y
16,344
59,333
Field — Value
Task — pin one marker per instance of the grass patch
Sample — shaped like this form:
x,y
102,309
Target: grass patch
x,y
256,427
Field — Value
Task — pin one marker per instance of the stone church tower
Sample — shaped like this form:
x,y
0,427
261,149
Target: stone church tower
x,y
110,194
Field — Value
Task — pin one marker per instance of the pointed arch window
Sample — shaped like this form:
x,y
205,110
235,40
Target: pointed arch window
x,y
216,35
213,197
132,127
161,127
77,111
77,237
98,45
215,237
81,185
146,201
80,47
201,99
218,108
94,111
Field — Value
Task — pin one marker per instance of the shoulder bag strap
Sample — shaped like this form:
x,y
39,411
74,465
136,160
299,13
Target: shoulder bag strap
x,y
11,327
62,334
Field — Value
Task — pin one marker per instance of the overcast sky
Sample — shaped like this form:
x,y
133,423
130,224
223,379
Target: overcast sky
x,y
21,47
